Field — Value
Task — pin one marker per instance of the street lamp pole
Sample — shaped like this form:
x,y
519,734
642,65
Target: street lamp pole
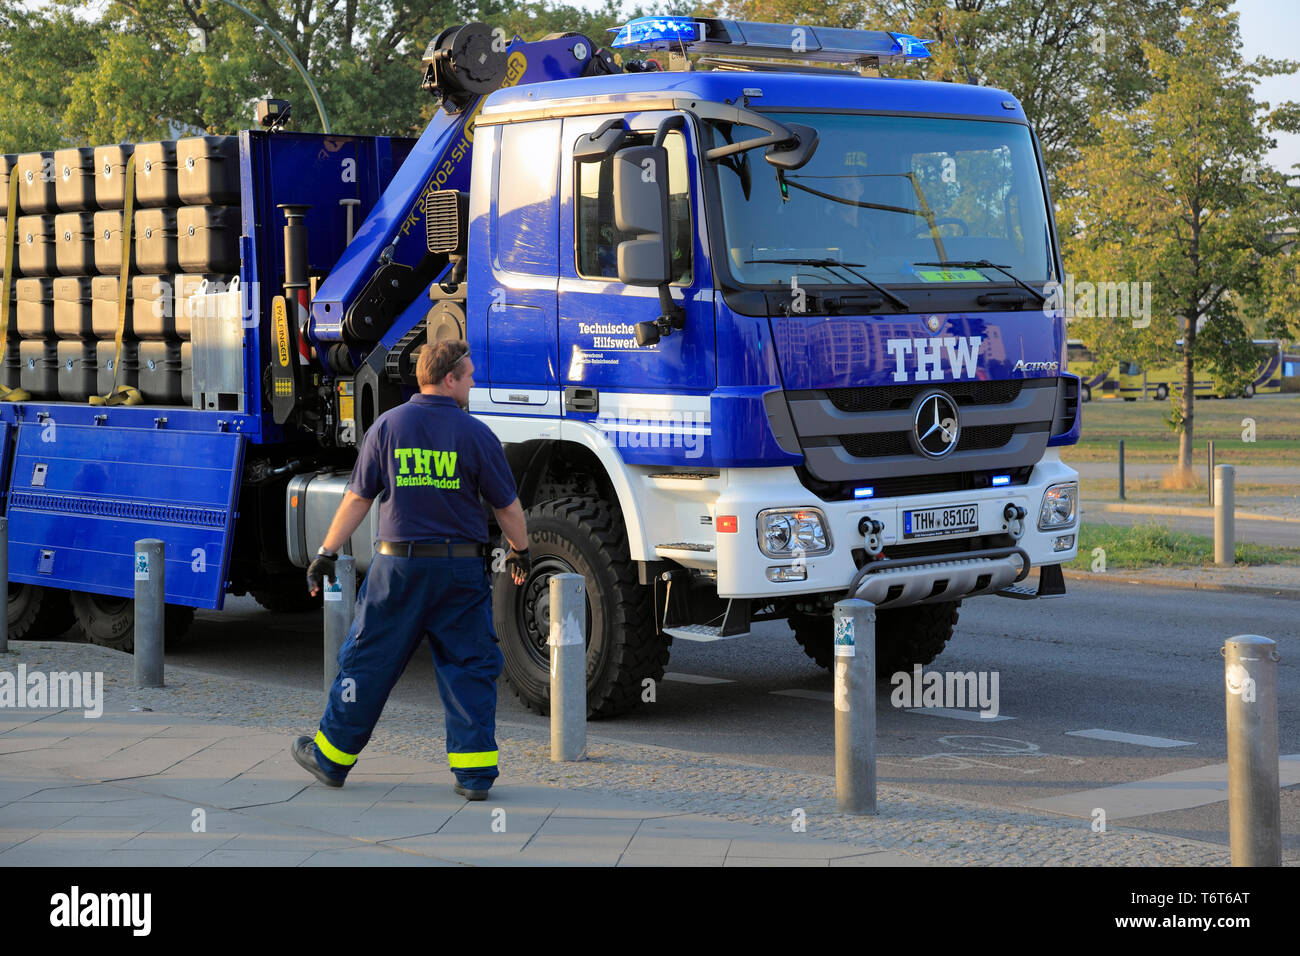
x,y
320,107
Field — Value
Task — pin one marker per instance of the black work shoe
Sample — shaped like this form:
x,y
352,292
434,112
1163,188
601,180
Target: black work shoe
x,y
470,794
304,753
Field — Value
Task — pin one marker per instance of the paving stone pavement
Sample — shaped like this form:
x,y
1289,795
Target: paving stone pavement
x,y
199,774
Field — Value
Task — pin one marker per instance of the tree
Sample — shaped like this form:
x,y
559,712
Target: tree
x,y
1174,193
39,49
1062,59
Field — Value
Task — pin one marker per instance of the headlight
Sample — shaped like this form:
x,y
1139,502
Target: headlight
x,y
786,531
1058,507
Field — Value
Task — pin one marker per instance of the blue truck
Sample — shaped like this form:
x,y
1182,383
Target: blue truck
x,y
757,333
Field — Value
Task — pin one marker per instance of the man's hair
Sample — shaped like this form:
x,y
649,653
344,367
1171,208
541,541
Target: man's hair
x,y
437,360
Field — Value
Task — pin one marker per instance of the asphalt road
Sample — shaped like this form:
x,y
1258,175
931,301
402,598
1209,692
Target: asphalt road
x,y
1138,666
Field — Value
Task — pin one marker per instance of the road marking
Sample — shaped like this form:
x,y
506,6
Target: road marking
x,y
1141,740
955,714
696,679
1172,791
806,694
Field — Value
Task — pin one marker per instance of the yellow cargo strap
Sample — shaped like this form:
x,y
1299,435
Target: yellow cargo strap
x,y
333,753
485,758
8,394
123,394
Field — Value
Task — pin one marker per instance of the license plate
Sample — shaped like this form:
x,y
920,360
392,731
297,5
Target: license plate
x,y
936,521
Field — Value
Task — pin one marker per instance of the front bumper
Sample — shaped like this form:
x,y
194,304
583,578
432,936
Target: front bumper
x,y
742,567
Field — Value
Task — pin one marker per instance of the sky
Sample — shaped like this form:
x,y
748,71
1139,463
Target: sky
x,y
1268,28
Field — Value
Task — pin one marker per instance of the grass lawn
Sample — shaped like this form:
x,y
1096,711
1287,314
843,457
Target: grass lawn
x,y
1154,545
1148,439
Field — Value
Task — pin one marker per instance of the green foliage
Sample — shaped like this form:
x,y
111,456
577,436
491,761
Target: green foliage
x,y
1174,193
1157,545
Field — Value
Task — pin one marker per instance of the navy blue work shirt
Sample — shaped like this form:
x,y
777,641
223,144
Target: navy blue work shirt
x,y
428,461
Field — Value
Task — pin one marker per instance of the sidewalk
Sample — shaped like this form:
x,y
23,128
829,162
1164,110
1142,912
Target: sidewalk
x,y
1267,580
131,788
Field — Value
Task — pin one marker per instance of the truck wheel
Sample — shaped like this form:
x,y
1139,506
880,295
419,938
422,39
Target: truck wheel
x,y
287,594
904,636
585,536
110,621
1085,394
37,613
1162,392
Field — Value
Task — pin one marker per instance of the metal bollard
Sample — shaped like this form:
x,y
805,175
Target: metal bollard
x,y
1254,801
1225,535
1121,469
568,607
340,605
855,706
4,576
150,597
1209,473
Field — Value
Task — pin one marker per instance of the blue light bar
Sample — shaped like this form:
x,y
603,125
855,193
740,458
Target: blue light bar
x,y
864,492
1001,480
658,32
773,40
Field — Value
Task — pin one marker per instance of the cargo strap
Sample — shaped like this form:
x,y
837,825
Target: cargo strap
x,y
123,394
8,394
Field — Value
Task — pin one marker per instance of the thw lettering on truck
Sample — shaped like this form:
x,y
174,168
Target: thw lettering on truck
x,y
426,466
927,357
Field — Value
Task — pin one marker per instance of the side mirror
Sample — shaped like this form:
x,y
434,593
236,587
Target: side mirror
x,y
641,207
796,154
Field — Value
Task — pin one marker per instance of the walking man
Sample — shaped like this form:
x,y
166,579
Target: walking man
x,y
428,461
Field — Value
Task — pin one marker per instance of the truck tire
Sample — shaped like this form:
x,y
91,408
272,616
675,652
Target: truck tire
x,y
904,636
110,621
582,535
1162,392
287,594
37,613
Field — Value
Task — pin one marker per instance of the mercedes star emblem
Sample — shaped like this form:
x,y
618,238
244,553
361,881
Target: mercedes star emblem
x,y
936,424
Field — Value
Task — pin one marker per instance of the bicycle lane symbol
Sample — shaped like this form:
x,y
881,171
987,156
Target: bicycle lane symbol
x,y
965,751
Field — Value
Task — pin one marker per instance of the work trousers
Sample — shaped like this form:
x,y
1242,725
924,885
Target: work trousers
x,y
401,601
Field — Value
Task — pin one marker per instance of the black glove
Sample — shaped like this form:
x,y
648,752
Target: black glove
x,y
318,570
519,561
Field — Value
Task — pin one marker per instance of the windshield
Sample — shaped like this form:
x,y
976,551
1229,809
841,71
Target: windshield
x,y
889,192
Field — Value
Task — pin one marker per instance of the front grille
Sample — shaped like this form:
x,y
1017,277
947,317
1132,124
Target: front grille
x,y
984,436
883,444
887,397
863,434
905,485
876,446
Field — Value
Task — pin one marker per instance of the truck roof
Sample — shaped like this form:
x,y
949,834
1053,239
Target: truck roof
x,y
779,91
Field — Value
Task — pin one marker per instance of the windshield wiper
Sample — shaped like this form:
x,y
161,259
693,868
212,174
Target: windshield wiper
x,y
985,264
831,264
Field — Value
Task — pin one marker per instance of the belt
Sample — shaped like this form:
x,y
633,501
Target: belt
x,y
432,549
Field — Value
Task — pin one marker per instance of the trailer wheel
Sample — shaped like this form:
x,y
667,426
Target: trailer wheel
x,y
110,621
37,613
580,535
904,636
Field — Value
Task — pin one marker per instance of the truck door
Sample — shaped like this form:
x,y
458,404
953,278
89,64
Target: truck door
x,y
521,355
652,402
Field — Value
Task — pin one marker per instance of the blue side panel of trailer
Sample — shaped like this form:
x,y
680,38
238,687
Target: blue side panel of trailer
x,y
80,496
